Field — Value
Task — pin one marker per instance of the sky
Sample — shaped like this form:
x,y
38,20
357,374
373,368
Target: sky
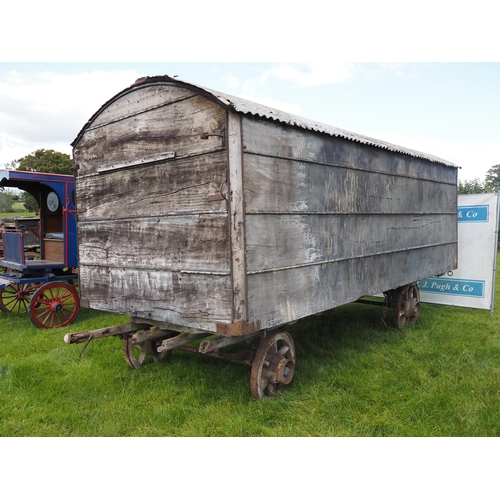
x,y
449,110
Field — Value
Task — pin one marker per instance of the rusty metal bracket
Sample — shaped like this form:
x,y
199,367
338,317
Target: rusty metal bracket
x,y
218,196
86,344
238,328
205,135
215,197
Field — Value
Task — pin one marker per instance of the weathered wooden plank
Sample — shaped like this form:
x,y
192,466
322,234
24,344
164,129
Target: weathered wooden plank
x,y
279,297
275,241
172,187
215,343
237,219
139,100
165,326
276,185
184,299
181,339
281,141
175,128
181,243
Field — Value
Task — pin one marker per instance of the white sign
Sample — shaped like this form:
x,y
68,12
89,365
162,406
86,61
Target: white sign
x,y
473,283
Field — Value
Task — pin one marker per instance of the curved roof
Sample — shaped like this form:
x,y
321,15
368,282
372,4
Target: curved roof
x,y
247,107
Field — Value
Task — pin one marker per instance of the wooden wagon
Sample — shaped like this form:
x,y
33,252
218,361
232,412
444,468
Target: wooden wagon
x,y
206,216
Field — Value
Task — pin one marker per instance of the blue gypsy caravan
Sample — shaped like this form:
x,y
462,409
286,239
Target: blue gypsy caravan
x,y
44,285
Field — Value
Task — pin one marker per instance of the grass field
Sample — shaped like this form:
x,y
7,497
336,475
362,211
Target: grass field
x,y
16,214
354,377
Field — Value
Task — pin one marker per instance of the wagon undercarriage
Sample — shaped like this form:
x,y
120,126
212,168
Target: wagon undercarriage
x,y
272,361
270,353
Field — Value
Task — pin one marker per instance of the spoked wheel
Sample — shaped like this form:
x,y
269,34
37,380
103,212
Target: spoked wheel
x,y
406,305
15,298
54,305
273,365
137,355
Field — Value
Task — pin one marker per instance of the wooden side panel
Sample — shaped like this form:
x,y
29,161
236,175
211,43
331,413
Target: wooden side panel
x,y
53,250
123,138
52,224
278,297
140,100
275,242
328,221
281,185
190,243
153,240
192,300
173,187
280,141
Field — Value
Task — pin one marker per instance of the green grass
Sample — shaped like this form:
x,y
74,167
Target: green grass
x,y
354,377
19,207
17,213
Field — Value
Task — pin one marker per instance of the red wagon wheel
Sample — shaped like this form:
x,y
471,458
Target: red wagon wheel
x,y
54,305
273,366
15,298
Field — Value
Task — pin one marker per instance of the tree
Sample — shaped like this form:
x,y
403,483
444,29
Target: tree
x,y
493,179
44,160
6,200
29,202
474,186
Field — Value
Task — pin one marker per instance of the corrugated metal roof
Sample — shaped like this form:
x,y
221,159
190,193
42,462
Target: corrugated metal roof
x,y
245,106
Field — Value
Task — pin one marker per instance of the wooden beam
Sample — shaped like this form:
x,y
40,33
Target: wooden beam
x,y
179,340
77,338
163,325
211,345
237,218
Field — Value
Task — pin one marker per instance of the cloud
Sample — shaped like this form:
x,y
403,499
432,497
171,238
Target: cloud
x,y
302,74
254,89
47,110
473,161
402,70
315,73
288,107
